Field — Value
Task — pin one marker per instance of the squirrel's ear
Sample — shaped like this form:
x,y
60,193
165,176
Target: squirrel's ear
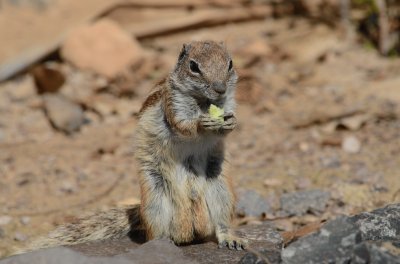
x,y
221,43
184,52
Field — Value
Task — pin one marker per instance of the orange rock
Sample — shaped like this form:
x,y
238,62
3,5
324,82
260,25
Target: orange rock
x,y
102,47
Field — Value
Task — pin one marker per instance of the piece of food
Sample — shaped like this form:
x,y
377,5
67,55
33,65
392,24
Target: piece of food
x,y
216,112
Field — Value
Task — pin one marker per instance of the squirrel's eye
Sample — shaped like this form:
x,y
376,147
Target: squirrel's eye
x,y
194,67
230,65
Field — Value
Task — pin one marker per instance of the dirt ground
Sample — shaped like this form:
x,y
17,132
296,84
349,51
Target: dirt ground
x,y
316,110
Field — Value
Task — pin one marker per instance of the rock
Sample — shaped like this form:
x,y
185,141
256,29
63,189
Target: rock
x,y
351,144
5,220
250,203
380,224
25,220
251,258
159,251
48,78
20,237
355,122
330,162
365,238
61,255
68,187
301,202
272,182
302,183
332,244
64,114
102,47
354,239
263,257
369,252
262,238
156,251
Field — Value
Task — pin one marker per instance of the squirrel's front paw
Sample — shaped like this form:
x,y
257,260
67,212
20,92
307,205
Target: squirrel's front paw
x,y
209,123
229,122
232,242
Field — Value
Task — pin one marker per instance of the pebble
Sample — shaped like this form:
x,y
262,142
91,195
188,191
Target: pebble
x,y
25,220
20,237
351,144
5,220
272,182
63,113
68,187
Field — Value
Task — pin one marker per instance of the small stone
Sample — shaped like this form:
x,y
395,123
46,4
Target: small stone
x,y
25,220
380,224
68,187
48,78
304,147
272,182
302,183
351,144
369,252
251,258
102,47
299,203
63,113
330,162
355,122
20,237
250,203
5,220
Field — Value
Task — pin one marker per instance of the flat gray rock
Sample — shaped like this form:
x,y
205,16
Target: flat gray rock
x,y
61,255
299,203
250,203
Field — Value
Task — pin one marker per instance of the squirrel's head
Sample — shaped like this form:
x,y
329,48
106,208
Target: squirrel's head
x,y
205,71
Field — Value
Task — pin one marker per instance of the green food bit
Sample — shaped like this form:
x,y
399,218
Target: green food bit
x,y
216,112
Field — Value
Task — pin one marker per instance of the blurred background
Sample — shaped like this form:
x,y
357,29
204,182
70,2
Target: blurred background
x,y
318,104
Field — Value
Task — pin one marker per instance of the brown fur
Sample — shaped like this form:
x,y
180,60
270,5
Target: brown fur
x,y
151,100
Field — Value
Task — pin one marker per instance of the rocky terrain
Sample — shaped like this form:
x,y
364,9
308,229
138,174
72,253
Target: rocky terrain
x,y
316,147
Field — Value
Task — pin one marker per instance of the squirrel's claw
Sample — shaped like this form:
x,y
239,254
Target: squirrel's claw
x,y
233,242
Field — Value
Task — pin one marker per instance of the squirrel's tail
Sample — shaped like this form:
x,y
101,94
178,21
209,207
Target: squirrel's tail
x,y
111,224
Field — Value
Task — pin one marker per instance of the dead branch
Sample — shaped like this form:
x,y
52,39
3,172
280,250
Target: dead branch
x,y
201,18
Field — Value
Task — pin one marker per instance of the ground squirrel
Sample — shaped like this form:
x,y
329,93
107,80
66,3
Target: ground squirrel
x,y
185,194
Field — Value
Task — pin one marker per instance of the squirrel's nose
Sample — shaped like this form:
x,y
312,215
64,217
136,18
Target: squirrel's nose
x,y
219,87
